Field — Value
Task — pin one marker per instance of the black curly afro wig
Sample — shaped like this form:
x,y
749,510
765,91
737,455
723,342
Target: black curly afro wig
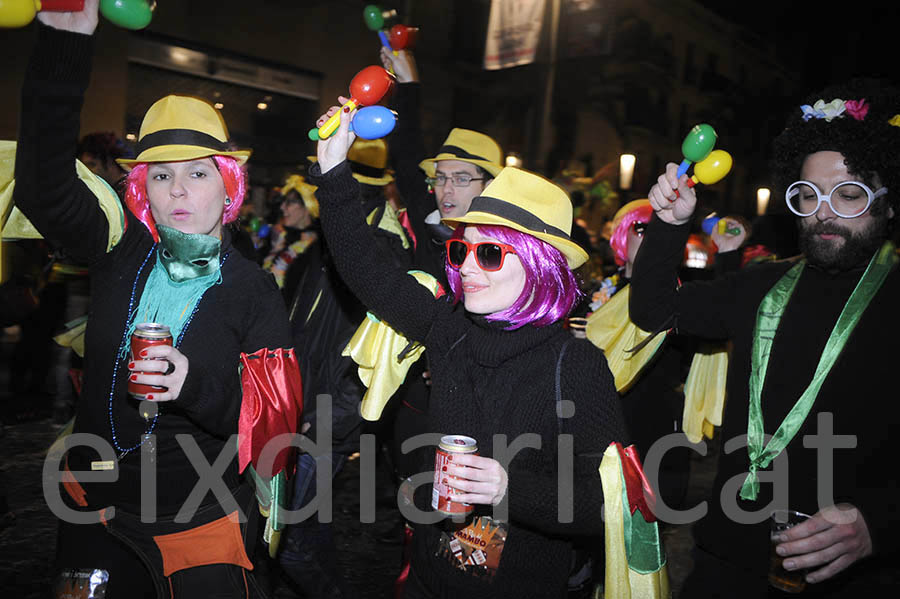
x,y
871,147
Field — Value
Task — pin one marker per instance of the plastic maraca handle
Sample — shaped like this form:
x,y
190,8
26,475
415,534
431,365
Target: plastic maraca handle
x,y
384,39
683,167
331,125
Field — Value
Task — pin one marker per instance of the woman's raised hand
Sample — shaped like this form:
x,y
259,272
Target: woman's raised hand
x,y
403,65
84,21
333,150
483,481
671,207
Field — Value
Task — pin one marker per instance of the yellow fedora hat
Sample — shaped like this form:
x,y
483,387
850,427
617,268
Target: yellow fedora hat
x,y
529,203
368,160
182,128
306,191
468,146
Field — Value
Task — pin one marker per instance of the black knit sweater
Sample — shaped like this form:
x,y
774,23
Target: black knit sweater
x,y
241,314
853,392
487,381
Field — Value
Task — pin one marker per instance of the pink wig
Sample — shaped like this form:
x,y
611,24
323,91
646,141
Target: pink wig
x,y
233,175
619,239
550,290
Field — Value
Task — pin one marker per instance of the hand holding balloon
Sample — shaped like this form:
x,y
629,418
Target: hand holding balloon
x,y
372,122
711,169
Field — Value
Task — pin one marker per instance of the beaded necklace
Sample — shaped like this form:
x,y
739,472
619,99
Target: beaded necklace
x,y
123,344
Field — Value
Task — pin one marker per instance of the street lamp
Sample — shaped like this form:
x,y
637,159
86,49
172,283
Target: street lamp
x,y
514,160
626,170
762,200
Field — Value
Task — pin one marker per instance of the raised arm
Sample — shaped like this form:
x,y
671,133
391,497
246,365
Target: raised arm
x,y
47,189
386,290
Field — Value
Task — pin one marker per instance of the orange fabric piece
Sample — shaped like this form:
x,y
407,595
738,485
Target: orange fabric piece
x,y
219,542
73,487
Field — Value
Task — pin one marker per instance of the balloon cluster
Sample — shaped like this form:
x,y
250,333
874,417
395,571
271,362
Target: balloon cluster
x,y
130,14
710,166
367,88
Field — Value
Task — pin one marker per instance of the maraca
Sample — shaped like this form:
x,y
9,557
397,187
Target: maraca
x,y
403,37
696,146
711,169
372,122
374,18
720,224
130,14
366,88
18,13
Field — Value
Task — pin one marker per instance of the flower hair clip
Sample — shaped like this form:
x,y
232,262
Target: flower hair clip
x,y
858,109
821,110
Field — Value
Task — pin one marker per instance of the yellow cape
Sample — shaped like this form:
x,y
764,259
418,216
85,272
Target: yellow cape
x,y
14,225
611,329
704,393
377,349
621,582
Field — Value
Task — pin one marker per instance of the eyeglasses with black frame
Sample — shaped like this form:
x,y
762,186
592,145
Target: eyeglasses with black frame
x,y
488,254
460,180
847,199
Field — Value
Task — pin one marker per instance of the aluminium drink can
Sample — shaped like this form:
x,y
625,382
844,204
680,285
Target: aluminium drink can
x,y
441,493
146,334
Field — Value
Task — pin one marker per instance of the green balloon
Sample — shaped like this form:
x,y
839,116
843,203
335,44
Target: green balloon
x,y
130,14
373,17
255,223
699,142
313,135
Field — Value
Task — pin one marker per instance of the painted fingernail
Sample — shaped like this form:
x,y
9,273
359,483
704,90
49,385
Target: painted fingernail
x,y
449,458
149,397
133,377
143,353
346,109
444,481
444,468
131,366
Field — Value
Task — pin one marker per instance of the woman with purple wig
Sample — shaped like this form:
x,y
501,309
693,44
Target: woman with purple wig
x,y
540,403
174,515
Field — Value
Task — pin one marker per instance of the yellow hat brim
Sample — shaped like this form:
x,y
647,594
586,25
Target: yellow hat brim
x,y
376,181
574,254
180,153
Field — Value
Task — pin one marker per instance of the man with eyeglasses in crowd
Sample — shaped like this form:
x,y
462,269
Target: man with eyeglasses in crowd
x,y
811,351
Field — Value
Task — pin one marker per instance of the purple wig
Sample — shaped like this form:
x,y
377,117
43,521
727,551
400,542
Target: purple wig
x,y
618,241
233,175
550,290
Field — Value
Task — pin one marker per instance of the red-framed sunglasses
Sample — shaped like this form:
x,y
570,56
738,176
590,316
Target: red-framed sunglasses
x,y
488,254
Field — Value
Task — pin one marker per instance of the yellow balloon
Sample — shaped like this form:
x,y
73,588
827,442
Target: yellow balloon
x,y
714,167
16,13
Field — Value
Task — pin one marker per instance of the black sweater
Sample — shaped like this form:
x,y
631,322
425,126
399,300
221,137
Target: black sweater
x,y
853,392
407,150
242,314
485,382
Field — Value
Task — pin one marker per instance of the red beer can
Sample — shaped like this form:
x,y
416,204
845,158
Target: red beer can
x,y
146,334
442,494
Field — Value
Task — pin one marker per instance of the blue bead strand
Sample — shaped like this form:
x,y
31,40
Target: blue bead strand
x,y
112,423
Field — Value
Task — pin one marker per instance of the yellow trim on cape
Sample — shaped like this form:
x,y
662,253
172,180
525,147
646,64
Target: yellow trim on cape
x,y
376,347
14,225
621,582
610,329
704,393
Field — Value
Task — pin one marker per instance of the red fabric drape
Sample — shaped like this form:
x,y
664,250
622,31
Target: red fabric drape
x,y
272,403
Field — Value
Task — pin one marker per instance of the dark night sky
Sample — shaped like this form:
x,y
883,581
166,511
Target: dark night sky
x,y
829,41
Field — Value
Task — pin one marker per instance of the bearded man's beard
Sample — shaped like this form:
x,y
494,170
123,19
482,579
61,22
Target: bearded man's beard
x,y
856,251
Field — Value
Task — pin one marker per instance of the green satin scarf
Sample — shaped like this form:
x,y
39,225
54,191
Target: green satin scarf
x,y
187,265
768,318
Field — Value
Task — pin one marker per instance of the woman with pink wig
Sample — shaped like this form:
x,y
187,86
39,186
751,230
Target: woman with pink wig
x,y
154,527
502,366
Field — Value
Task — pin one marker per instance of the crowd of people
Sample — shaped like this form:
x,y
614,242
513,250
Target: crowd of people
x,y
411,292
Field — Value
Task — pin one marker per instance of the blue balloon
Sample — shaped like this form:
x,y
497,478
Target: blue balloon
x,y
709,223
372,122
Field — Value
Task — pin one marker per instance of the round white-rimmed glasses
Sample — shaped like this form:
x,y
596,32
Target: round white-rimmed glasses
x,y
848,199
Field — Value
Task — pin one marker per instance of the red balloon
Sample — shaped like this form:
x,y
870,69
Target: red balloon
x,y
403,37
370,85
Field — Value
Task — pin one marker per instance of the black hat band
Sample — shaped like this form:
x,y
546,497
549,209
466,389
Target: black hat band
x,y
365,170
180,137
460,153
516,214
